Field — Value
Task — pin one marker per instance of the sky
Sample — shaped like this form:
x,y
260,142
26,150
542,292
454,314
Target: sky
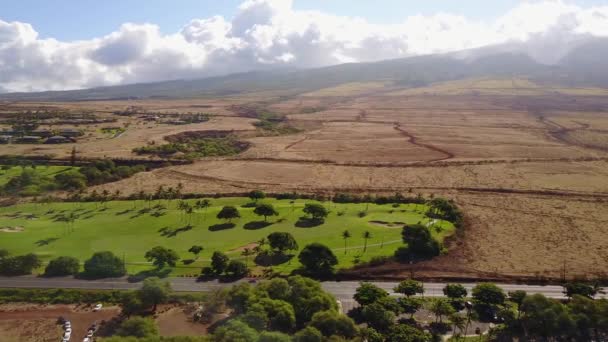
x,y
70,44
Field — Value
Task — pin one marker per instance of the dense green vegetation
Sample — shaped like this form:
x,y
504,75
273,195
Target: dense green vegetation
x,y
270,124
33,180
196,148
130,229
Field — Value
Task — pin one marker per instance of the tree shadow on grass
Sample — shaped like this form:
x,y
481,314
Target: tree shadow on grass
x,y
158,213
269,259
221,226
126,211
46,242
188,261
254,225
306,222
168,232
140,276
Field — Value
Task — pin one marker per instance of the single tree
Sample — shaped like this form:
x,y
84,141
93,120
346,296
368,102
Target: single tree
x,y
265,210
228,213
368,293
247,252
154,292
316,211
488,294
196,250
420,243
582,289
318,259
410,305
441,307
458,322
219,262
409,287
281,242
345,235
203,204
256,195
236,269
518,297
62,266
161,256
378,317
366,236
454,291
104,265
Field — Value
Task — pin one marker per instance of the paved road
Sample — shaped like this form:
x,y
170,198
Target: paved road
x,y
343,290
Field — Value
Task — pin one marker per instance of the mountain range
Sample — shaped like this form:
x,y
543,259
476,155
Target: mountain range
x,y
586,65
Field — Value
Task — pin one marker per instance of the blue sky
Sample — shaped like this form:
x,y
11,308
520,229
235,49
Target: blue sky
x,y
85,19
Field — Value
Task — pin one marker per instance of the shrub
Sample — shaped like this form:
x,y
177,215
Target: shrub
x,y
62,266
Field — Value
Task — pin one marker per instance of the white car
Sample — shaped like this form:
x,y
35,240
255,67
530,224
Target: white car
x,y
97,307
67,336
86,339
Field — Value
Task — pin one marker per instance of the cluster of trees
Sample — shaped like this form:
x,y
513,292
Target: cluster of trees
x,y
447,210
18,264
104,171
277,308
379,312
221,265
31,183
196,148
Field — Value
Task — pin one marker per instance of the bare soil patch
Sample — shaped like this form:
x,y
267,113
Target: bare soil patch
x,y
16,229
29,322
177,321
398,225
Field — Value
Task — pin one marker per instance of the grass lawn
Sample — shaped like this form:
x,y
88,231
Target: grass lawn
x,y
50,171
128,232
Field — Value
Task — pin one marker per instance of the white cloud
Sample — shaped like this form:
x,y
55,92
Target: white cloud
x,y
269,33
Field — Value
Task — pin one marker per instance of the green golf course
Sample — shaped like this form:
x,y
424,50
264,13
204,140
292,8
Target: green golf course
x,y
130,228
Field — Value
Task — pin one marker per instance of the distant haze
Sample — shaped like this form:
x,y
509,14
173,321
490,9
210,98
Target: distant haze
x,y
270,34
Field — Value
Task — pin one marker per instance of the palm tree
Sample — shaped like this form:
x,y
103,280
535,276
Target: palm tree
x,y
181,206
458,321
366,236
247,252
160,193
104,198
188,211
345,235
203,204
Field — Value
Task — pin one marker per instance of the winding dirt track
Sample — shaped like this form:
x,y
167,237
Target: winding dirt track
x,y
414,141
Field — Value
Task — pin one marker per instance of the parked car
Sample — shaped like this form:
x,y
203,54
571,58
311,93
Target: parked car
x,y
97,307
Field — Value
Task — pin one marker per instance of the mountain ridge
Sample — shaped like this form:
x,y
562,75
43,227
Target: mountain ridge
x,y
583,66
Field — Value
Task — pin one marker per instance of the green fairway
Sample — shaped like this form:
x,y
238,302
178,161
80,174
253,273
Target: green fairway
x,y
126,230
46,171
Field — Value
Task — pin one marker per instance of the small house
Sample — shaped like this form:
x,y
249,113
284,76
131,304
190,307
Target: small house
x,y
29,139
43,133
58,139
70,132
